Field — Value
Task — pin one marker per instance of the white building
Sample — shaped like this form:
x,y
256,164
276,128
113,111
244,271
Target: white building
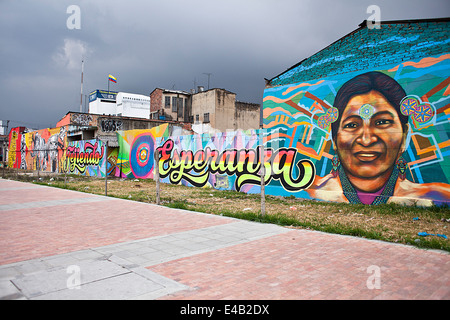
x,y
102,102
3,127
133,105
119,104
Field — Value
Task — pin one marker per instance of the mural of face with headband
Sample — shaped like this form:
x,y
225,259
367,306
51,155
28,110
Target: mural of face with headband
x,y
370,131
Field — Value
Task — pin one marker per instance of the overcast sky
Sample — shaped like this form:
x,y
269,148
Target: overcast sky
x,y
165,43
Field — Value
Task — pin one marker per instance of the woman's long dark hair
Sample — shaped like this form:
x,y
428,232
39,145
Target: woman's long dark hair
x,y
364,83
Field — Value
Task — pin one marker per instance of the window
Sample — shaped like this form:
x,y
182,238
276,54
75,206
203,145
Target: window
x,y
180,107
197,118
177,105
206,117
174,104
167,102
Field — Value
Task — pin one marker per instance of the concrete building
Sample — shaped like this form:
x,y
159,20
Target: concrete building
x,y
217,110
170,105
213,110
119,104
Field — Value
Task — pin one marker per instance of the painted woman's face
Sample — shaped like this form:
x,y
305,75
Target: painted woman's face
x,y
370,136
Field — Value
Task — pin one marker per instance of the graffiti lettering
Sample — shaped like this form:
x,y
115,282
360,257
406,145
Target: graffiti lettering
x,y
82,119
77,159
195,168
111,125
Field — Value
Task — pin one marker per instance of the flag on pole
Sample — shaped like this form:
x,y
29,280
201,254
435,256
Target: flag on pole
x,y
112,78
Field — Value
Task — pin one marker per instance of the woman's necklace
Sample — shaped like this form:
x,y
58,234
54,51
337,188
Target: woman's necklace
x,y
352,196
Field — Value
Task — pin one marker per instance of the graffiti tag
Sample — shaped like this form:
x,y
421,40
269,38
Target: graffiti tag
x,y
111,125
82,119
196,168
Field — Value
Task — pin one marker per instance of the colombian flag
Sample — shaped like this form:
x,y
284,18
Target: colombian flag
x,y
112,78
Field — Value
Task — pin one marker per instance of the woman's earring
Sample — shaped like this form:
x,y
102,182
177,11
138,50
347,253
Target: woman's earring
x,y
402,165
335,162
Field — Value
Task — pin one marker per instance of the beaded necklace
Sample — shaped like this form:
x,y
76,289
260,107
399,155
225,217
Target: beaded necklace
x,y
352,196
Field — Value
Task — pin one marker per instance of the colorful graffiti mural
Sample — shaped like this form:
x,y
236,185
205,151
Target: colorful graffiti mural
x,y
242,164
374,136
227,160
47,150
86,158
15,143
365,120
136,150
41,150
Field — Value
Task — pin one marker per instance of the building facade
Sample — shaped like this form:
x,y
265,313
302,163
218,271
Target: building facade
x,y
102,102
119,104
132,105
217,110
213,110
172,105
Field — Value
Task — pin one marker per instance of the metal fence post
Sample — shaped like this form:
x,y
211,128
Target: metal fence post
x,y
3,157
106,169
263,172
65,165
156,155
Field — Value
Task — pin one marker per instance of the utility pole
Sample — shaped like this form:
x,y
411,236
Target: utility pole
x,y
156,155
81,96
106,169
4,148
3,157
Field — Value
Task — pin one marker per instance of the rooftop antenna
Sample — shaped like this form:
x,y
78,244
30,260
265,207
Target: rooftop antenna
x,y
208,74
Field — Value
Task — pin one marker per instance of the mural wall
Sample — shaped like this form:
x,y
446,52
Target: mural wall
x,y
231,161
47,150
226,160
136,149
370,125
374,136
15,146
86,157
42,150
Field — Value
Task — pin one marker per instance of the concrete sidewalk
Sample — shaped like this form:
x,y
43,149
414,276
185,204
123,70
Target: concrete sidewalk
x,y
60,244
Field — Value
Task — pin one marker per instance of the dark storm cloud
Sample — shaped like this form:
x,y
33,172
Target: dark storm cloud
x,y
165,43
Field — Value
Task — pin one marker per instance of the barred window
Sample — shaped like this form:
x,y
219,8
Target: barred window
x,y
167,102
174,104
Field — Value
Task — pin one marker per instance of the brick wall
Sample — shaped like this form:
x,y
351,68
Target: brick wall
x,y
156,100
